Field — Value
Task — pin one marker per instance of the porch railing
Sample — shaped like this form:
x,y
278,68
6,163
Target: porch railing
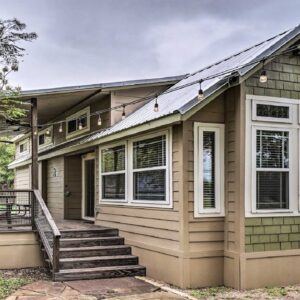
x,y
48,231
16,209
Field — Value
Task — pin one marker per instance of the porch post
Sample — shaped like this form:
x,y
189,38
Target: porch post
x,y
34,145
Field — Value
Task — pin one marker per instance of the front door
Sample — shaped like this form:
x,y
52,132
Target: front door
x,y
88,187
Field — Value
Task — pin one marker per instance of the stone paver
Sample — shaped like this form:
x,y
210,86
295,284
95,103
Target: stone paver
x,y
128,288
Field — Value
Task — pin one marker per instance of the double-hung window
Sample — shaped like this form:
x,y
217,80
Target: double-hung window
x,y
113,173
208,169
136,172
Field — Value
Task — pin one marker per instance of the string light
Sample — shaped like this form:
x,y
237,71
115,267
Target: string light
x,y
200,92
48,132
99,122
156,108
80,126
263,78
60,129
123,113
35,132
215,75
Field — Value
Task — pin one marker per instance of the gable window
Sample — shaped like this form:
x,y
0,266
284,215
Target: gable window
x,y
113,171
137,171
271,111
45,137
209,169
78,123
23,147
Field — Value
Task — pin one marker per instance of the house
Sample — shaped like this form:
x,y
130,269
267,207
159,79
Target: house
x,y
200,174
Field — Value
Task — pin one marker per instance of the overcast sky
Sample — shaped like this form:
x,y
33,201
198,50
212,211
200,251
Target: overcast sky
x,y
92,41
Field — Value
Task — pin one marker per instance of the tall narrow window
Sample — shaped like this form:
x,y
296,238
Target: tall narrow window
x,y
209,169
113,175
272,169
150,169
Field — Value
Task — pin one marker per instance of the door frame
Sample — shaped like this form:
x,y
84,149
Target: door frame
x,y
88,156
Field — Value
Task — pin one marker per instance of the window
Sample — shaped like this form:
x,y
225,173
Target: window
x,y
78,123
45,137
149,169
23,147
272,169
137,171
113,173
271,111
209,169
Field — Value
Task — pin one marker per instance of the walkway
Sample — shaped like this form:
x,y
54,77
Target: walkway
x,y
126,288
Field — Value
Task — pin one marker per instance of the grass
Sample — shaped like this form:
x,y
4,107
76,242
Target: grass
x,y
209,292
9,285
276,291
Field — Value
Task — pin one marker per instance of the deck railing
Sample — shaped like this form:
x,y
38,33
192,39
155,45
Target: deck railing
x,y
48,231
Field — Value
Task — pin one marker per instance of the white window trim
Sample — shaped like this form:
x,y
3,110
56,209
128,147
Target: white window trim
x,y
26,141
199,210
44,132
250,161
83,111
129,174
270,119
116,201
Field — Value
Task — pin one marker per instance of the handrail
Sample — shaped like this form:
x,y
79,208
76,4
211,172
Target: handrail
x,y
54,255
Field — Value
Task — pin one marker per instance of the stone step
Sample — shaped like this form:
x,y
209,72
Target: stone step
x,y
98,261
91,241
95,251
100,272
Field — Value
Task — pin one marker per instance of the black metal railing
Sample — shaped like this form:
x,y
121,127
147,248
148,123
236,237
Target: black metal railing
x,y
16,209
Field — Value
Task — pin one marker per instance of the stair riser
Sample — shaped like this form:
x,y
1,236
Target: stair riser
x,y
80,243
106,252
99,263
100,275
83,234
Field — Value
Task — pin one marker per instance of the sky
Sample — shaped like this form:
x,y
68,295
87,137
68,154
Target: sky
x,y
93,41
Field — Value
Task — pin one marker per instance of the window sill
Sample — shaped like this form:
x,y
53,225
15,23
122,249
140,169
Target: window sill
x,y
135,204
273,213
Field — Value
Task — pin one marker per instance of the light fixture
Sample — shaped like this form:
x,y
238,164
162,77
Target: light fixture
x,y
35,132
156,108
99,122
123,113
60,129
200,92
263,78
48,132
80,125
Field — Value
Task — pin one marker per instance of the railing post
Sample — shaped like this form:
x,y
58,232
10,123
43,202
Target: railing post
x,y
32,202
56,241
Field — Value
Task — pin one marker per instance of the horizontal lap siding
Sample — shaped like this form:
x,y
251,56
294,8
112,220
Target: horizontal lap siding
x,y
55,187
22,178
205,234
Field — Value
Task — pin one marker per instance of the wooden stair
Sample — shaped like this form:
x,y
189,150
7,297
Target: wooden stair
x,y
94,253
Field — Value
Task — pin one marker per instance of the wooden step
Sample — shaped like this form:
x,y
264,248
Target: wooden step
x,y
95,251
98,232
98,261
100,272
91,241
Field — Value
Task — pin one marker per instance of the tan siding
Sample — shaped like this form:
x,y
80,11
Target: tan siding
x,y
55,187
22,178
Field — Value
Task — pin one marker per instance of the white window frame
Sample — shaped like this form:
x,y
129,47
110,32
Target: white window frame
x,y
113,173
50,128
199,210
75,116
168,203
255,117
250,155
24,142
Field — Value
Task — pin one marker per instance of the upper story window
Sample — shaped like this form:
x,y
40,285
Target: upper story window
x,y
45,137
24,147
271,112
137,171
78,123
208,169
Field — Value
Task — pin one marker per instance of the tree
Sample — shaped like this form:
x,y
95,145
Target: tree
x,y
6,156
12,35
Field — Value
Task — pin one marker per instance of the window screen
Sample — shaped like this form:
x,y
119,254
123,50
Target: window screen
x,y
209,169
113,173
149,169
272,111
272,173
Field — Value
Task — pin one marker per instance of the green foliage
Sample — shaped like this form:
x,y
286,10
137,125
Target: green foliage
x,y
276,291
209,292
6,157
9,285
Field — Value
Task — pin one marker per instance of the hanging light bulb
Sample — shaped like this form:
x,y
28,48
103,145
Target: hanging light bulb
x,y
60,129
156,108
48,132
35,132
200,92
99,122
123,113
80,125
263,78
